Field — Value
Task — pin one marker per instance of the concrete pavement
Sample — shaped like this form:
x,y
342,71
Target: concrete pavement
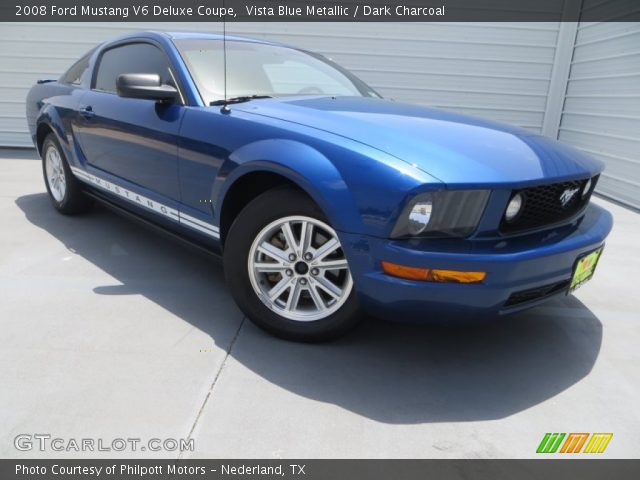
x,y
110,331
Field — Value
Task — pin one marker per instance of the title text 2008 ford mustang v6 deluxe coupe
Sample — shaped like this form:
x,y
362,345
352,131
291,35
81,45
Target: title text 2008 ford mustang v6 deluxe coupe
x,y
323,199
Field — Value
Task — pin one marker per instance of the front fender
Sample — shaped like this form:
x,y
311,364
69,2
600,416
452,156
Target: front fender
x,y
303,165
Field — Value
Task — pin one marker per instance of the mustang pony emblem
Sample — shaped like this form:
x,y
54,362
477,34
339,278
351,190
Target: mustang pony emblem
x,y
567,195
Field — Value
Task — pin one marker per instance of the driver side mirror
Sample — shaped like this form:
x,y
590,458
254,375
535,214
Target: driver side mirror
x,y
146,86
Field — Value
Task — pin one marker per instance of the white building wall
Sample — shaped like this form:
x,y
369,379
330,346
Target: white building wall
x,y
601,113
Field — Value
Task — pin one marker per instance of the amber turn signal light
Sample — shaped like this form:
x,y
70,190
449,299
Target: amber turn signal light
x,y
432,275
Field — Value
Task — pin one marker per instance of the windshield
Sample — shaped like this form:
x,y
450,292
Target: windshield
x,y
261,69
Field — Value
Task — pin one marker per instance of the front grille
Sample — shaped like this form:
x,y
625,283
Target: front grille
x,y
525,296
543,205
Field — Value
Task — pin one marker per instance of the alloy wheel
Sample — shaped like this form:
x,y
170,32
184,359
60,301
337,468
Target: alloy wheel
x,y
298,269
56,178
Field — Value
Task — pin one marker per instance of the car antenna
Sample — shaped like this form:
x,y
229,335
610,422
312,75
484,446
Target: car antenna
x,y
225,107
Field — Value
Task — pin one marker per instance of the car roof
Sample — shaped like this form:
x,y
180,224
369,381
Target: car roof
x,y
200,36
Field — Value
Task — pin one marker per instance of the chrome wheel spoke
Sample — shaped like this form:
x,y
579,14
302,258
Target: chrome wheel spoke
x,y
270,267
340,264
277,291
329,287
294,297
273,252
327,248
317,299
306,234
289,237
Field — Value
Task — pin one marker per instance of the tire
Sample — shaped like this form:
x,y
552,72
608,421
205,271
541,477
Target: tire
x,y
314,300
64,190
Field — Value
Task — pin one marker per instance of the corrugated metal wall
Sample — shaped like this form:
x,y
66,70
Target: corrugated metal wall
x,y
499,71
601,111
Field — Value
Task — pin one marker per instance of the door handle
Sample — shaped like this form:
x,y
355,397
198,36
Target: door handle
x,y
86,111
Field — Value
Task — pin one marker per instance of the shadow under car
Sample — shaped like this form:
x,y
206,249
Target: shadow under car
x,y
386,371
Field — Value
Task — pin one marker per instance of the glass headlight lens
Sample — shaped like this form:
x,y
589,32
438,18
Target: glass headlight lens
x,y
419,217
514,207
586,188
443,213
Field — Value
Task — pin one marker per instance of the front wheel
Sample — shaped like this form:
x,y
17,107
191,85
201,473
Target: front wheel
x,y
287,270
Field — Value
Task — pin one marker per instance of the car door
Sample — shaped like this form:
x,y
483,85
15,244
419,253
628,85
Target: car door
x,y
129,138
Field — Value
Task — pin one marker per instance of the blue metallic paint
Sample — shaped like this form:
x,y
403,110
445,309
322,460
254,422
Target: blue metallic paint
x,y
133,139
456,149
360,159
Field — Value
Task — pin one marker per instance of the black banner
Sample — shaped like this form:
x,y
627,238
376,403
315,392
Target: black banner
x,y
319,10
320,469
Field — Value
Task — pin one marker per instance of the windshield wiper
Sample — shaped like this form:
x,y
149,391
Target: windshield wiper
x,y
242,99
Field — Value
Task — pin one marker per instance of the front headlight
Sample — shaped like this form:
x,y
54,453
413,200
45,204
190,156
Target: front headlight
x,y
419,216
443,213
586,188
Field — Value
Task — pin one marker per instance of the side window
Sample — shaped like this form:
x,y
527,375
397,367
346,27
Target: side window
x,y
131,58
77,70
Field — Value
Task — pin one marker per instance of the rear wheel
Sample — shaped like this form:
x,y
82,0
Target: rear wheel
x,y
287,269
63,188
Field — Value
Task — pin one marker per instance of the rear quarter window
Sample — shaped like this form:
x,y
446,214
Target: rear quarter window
x,y
76,72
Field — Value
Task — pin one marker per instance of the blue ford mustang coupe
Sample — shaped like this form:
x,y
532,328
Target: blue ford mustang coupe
x,y
323,199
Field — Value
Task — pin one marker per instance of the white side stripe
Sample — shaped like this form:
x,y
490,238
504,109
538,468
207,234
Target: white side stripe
x,y
189,218
195,226
147,203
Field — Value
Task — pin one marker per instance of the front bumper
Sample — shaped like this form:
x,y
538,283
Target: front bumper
x,y
513,265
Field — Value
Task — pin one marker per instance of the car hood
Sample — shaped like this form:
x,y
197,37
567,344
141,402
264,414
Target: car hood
x,y
456,149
